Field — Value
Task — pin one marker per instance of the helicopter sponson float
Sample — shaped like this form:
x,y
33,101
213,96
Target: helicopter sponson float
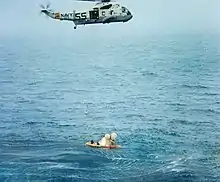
x,y
105,11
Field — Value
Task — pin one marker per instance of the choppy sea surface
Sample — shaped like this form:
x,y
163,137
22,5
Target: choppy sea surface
x,y
160,94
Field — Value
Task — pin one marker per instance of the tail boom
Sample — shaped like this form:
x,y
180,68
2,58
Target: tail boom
x,y
60,16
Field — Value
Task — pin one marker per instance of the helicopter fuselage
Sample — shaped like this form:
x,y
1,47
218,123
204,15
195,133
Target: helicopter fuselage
x,y
100,13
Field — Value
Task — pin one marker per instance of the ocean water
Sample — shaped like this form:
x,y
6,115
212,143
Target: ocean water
x,y
159,93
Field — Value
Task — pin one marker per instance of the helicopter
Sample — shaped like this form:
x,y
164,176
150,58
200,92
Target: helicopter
x,y
105,11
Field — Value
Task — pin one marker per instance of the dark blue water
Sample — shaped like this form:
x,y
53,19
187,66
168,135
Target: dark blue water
x,y
161,94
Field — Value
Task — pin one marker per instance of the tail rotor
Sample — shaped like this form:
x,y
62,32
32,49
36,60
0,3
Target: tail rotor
x,y
101,1
46,8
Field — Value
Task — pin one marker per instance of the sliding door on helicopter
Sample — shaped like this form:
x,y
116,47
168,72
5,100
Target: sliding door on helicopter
x,y
94,14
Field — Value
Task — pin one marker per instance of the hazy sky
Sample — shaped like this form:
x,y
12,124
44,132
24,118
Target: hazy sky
x,y
23,16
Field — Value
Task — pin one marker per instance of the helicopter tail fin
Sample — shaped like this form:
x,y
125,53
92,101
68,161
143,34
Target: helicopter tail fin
x,y
51,14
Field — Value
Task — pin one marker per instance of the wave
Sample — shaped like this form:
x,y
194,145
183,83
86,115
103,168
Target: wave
x,y
195,86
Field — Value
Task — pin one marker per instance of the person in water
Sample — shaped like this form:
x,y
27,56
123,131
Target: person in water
x,y
107,140
113,137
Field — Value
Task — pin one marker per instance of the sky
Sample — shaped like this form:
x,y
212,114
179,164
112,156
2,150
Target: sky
x,y
158,16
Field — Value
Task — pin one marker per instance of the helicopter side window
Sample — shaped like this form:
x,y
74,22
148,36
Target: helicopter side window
x,y
106,7
123,9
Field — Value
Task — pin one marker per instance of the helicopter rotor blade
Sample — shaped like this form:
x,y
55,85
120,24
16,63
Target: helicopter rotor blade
x,y
103,1
48,5
42,6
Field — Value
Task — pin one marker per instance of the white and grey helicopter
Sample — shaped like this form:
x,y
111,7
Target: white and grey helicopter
x,y
105,11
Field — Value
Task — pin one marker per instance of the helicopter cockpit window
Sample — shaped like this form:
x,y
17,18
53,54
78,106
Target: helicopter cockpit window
x,y
128,13
123,9
106,7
